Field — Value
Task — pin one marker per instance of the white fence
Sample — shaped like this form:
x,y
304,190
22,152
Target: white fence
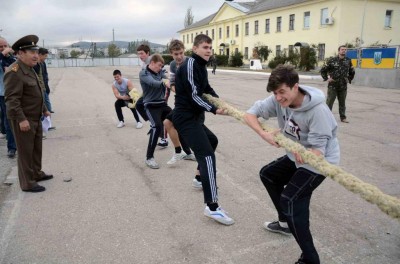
x,y
71,62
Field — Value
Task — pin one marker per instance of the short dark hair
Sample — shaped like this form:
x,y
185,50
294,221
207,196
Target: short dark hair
x,y
176,44
144,47
341,46
43,51
157,58
282,74
115,72
201,38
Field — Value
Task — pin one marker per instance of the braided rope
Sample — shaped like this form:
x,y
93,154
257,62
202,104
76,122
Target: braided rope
x,y
135,95
388,204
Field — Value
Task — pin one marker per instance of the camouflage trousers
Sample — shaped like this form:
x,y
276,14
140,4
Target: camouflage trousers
x,y
338,90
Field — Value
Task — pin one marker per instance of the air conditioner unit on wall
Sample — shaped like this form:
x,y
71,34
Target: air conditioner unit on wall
x,y
233,42
329,21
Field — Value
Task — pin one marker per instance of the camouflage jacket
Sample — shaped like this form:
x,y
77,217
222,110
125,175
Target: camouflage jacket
x,y
338,69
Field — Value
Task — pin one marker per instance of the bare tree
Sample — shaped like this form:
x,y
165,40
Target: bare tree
x,y
189,17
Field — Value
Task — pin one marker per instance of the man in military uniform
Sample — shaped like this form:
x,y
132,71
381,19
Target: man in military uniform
x,y
338,71
25,106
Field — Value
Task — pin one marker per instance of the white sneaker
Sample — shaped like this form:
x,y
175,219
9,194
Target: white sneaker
x,y
176,157
219,215
163,143
189,157
139,125
151,163
197,184
121,124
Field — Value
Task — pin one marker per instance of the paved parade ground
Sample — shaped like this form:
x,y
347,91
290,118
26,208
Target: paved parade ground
x,y
117,210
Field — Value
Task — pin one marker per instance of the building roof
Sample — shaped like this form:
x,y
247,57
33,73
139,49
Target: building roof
x,y
264,5
251,7
203,22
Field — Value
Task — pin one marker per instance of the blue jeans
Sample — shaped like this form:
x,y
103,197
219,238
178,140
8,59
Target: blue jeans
x,y
290,189
9,135
47,102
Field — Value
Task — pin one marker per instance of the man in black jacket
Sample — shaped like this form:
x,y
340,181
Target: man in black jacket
x,y
191,82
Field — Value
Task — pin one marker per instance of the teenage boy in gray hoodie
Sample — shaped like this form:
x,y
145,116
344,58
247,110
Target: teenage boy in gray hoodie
x,y
303,117
153,86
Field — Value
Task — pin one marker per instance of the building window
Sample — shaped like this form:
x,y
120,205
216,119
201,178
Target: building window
x,y
212,34
291,22
321,52
278,24
187,38
237,31
220,33
256,27
207,32
307,19
278,50
227,31
267,25
324,15
246,53
236,50
191,37
388,19
183,39
291,49
246,29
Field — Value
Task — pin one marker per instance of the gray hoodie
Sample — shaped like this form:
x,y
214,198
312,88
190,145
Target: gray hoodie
x,y
312,124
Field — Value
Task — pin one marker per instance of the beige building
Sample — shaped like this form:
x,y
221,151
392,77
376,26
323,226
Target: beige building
x,y
327,24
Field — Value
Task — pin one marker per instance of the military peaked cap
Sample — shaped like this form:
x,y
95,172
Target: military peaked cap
x,y
27,42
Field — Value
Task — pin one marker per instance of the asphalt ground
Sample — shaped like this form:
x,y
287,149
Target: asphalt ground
x,y
116,210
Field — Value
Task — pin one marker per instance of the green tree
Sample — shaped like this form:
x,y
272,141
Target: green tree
x,y
308,58
63,55
74,54
188,18
113,51
236,59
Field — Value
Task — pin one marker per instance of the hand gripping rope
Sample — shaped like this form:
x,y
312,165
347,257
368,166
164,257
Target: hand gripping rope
x,y
388,204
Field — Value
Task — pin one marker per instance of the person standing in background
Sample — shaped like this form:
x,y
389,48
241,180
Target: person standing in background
x,y
6,59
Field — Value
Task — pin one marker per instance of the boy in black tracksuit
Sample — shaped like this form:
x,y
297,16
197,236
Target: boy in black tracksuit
x,y
191,81
151,80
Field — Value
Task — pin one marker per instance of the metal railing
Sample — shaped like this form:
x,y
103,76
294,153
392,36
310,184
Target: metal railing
x,y
91,62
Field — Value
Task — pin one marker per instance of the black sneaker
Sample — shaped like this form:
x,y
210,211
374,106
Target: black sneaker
x,y
300,260
276,227
11,153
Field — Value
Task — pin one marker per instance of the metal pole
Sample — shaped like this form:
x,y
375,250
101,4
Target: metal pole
x,y
362,25
112,57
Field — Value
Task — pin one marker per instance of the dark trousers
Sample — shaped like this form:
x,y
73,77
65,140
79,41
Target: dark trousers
x,y
290,189
7,128
156,115
29,145
118,108
203,143
338,90
47,101
140,108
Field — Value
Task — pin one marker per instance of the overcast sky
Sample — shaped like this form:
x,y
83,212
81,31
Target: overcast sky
x,y
62,22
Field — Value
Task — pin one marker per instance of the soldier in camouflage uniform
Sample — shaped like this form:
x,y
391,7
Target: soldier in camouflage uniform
x,y
338,71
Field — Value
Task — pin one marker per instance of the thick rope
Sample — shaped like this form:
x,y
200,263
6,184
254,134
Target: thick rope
x,y
388,204
135,95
